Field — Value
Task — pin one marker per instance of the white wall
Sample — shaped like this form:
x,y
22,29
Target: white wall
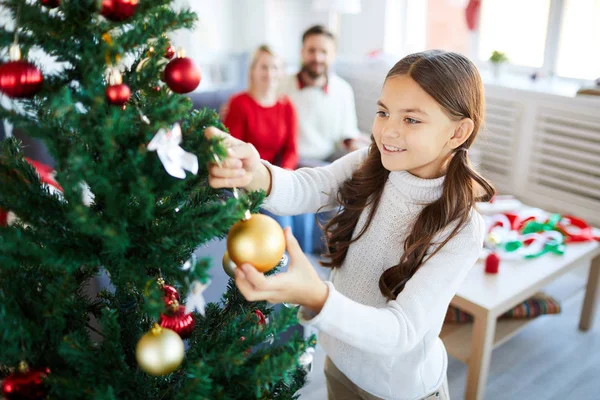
x,y
213,34
363,33
233,26
290,22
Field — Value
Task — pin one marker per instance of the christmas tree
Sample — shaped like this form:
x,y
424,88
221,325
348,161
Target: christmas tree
x,y
128,198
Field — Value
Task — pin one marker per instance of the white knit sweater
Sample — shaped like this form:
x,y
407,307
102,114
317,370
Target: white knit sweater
x,y
390,349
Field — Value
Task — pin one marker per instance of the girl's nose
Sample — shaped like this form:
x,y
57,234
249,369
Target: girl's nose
x,y
392,130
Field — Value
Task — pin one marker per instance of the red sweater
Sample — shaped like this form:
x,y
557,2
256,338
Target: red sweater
x,y
272,130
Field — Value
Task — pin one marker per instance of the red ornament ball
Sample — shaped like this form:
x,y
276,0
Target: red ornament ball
x,y
50,3
492,262
171,295
118,10
181,75
20,79
179,322
25,385
118,95
170,52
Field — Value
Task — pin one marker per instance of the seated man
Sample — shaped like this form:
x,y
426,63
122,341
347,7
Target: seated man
x,y
324,103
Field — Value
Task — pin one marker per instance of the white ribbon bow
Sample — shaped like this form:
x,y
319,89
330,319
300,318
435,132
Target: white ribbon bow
x,y
175,160
195,300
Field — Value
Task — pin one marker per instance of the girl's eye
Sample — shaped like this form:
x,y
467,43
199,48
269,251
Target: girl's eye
x,y
382,114
411,121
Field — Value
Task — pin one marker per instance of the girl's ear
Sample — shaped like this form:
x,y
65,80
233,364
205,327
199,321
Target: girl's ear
x,y
462,132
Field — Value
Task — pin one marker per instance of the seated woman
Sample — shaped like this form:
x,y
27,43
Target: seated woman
x,y
262,117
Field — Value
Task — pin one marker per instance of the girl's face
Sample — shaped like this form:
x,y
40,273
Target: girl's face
x,y
412,131
266,72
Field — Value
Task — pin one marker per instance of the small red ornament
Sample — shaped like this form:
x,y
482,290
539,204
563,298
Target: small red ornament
x,y
50,3
181,75
492,262
171,295
117,93
170,52
178,320
118,10
25,384
19,79
262,320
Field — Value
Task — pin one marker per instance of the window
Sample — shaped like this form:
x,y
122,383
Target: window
x,y
517,28
554,36
579,45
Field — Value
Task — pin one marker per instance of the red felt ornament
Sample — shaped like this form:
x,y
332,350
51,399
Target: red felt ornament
x,y
47,178
117,93
181,75
25,384
492,262
472,14
19,79
515,221
118,10
178,321
576,230
46,174
50,3
170,52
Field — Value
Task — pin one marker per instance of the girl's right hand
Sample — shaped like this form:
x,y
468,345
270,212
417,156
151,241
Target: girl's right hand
x,y
240,168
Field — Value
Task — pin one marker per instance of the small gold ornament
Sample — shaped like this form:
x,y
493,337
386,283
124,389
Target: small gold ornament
x,y
160,351
258,240
228,265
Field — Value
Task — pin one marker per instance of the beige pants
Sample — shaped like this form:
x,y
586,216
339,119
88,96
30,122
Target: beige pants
x,y
339,387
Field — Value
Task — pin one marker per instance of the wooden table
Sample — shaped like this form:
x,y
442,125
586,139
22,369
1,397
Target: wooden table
x,y
486,297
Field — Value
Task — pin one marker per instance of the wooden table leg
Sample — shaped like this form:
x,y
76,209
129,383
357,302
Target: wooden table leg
x,y
484,329
591,296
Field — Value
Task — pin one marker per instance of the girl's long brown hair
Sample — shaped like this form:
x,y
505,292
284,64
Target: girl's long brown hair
x,y
454,82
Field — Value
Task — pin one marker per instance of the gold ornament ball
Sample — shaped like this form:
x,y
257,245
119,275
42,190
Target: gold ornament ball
x,y
258,241
160,351
228,265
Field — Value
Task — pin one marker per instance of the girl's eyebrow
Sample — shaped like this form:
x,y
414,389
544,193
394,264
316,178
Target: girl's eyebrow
x,y
408,110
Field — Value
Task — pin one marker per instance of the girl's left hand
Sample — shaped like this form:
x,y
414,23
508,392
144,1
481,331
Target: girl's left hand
x,y
299,285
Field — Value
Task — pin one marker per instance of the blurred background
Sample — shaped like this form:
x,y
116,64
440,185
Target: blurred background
x,y
540,62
